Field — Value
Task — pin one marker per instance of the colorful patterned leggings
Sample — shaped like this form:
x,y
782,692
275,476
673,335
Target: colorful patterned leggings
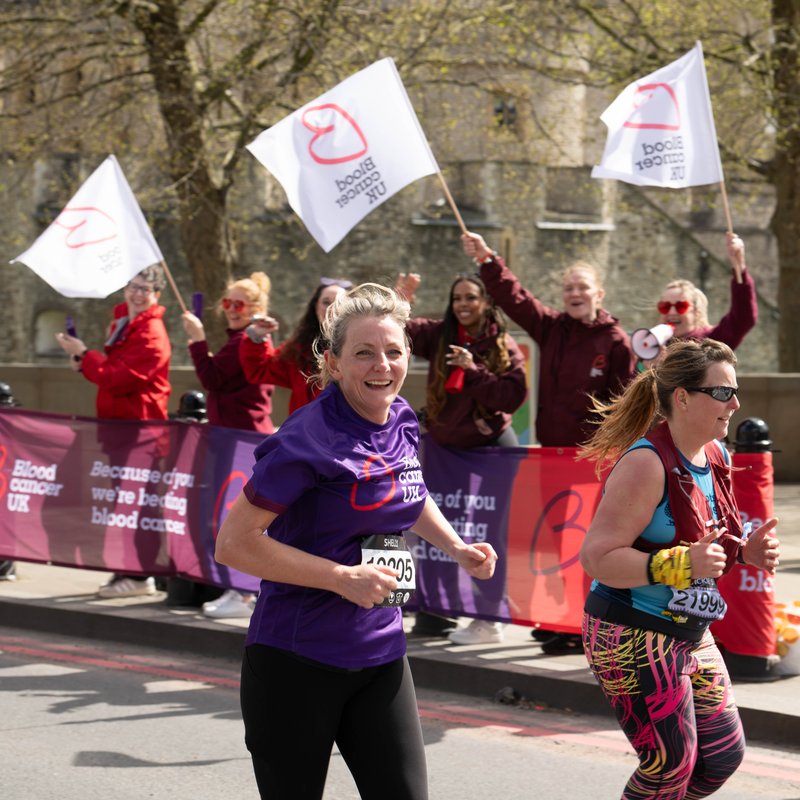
x,y
674,702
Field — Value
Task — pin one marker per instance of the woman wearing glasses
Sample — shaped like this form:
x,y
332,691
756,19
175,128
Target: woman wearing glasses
x,y
292,363
132,377
233,401
666,528
685,307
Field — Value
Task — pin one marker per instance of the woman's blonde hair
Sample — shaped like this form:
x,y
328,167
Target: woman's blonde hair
x,y
366,300
256,289
648,398
695,296
582,266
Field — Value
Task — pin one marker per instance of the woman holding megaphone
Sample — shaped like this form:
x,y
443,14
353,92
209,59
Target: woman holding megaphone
x,y
685,307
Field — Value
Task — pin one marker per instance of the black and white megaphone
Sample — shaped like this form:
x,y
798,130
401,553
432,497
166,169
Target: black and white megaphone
x,y
646,342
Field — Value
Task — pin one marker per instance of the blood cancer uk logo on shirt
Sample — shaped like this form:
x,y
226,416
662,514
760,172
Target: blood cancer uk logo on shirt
x,y
381,483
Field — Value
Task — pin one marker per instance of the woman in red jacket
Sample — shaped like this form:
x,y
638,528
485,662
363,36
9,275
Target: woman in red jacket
x,y
132,376
290,364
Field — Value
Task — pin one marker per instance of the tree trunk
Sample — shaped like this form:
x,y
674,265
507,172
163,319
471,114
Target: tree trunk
x,y
202,204
786,179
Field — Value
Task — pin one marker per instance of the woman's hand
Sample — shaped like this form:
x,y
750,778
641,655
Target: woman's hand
x,y
474,246
736,253
366,585
407,284
460,357
762,549
478,559
193,327
707,557
71,345
264,325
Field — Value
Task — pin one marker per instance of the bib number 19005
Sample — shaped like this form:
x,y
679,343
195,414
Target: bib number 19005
x,y
390,550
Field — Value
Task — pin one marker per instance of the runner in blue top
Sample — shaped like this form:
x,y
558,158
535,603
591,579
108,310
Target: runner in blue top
x,y
666,528
321,521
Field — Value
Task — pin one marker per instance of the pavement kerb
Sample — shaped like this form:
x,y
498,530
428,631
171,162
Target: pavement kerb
x,y
563,683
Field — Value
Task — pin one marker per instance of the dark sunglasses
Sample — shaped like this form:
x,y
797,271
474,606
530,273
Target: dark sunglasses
x,y
721,393
681,307
346,285
236,305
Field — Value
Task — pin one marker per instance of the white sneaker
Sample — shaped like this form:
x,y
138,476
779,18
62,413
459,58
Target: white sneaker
x,y
127,587
230,605
479,631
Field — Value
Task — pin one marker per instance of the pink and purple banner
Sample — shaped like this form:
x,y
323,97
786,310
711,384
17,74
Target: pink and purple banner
x,y
148,498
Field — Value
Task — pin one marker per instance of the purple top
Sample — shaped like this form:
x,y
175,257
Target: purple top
x,y
333,478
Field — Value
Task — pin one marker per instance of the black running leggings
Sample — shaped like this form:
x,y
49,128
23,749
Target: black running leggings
x,y
294,710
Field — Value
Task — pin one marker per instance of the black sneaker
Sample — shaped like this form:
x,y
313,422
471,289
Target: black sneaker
x,y
563,644
8,571
427,624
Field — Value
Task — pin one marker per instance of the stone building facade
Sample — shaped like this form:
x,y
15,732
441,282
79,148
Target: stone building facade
x,y
519,172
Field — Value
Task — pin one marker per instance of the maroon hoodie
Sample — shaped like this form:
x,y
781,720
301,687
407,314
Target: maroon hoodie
x,y
575,359
459,424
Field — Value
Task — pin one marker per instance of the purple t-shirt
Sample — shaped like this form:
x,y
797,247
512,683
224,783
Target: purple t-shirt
x,y
333,478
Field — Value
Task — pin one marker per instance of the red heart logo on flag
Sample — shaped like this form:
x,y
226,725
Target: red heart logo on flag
x,y
86,226
655,107
337,137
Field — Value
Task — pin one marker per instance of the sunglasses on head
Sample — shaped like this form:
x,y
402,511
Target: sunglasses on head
x,y
346,285
233,305
681,306
721,393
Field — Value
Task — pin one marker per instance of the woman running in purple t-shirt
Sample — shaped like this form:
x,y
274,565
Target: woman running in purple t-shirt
x,y
321,521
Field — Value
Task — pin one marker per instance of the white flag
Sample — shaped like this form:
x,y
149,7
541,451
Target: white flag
x,y
346,152
98,242
661,129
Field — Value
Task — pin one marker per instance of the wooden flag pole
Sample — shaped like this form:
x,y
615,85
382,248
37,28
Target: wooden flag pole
x,y
174,286
452,202
736,269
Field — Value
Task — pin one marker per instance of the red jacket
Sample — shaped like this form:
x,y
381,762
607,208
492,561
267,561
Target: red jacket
x,y
262,363
233,402
133,376
575,359
501,395
741,317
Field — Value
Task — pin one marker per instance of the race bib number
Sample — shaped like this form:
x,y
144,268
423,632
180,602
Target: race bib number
x,y
390,550
701,599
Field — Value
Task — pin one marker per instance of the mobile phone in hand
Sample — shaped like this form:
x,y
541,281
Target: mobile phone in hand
x,y
70,326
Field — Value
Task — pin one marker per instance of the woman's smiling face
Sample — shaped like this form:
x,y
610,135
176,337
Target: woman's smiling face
x,y
372,365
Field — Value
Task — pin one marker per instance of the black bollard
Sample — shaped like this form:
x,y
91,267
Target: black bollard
x,y
180,591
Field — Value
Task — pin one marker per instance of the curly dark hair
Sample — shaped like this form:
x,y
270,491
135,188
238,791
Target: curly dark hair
x,y
498,361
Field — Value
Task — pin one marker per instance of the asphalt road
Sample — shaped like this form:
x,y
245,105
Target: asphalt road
x,y
83,721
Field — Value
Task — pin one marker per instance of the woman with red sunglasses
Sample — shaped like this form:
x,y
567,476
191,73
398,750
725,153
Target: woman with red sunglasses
x,y
233,402
685,307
